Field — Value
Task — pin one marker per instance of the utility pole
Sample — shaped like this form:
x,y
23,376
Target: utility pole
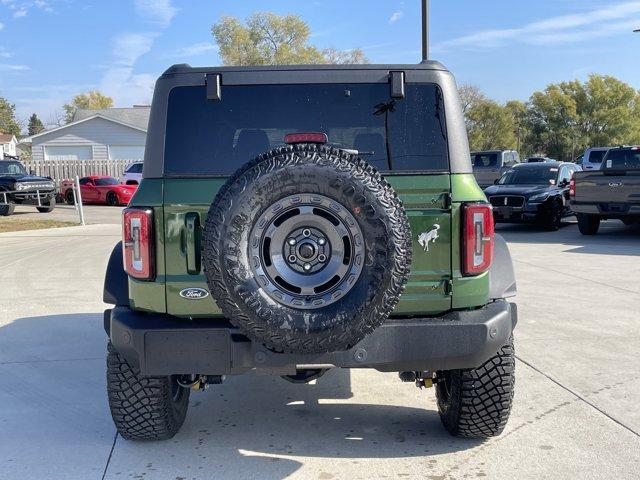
x,y
425,30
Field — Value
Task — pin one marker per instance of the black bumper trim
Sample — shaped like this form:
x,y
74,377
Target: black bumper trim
x,y
164,345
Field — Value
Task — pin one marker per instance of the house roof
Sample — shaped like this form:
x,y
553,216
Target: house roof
x,y
95,115
134,116
6,137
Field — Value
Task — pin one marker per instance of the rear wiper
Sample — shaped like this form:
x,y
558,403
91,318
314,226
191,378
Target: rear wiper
x,y
384,109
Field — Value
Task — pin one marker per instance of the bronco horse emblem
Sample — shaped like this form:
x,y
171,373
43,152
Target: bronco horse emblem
x,y
426,237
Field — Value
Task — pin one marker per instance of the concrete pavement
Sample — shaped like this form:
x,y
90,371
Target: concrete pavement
x,y
93,214
575,412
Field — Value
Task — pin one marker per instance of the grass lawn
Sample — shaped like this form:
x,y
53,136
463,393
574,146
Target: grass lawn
x,y
12,224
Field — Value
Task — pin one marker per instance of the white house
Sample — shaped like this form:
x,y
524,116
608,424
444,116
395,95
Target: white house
x,y
8,145
108,134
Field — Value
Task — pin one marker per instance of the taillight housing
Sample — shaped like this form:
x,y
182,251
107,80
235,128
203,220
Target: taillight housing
x,y
572,187
137,239
478,238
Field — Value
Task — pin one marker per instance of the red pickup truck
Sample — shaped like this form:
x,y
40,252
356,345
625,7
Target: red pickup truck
x,y
99,189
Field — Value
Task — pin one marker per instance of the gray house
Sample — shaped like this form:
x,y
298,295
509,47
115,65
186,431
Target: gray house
x,y
109,134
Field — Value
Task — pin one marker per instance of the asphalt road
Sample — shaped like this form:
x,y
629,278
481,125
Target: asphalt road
x,y
575,414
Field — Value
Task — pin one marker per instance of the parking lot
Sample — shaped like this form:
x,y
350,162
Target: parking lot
x,y
575,412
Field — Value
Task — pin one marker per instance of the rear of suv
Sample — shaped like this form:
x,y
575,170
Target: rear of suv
x,y
490,165
297,219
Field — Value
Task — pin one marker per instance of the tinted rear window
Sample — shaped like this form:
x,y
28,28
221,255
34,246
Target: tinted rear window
x,y
622,160
596,156
530,176
217,137
484,160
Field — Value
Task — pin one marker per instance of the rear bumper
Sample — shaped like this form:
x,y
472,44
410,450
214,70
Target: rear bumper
x,y
164,345
607,210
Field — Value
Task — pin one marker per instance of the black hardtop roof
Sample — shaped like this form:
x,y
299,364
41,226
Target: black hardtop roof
x,y
183,68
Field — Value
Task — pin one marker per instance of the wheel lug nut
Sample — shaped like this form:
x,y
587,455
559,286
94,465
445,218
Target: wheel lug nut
x,y
307,266
292,241
292,259
306,232
321,241
322,258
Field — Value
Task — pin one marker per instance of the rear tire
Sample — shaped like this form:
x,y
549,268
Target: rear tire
x,y
588,224
144,408
49,208
112,199
476,403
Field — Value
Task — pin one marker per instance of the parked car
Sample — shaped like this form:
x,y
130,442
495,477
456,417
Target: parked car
x,y
613,191
490,165
26,188
539,160
303,250
592,158
133,174
99,189
533,192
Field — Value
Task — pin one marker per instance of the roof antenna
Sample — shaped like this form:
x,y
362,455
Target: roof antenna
x,y
425,31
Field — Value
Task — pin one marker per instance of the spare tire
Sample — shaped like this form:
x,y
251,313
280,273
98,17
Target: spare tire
x,y
306,249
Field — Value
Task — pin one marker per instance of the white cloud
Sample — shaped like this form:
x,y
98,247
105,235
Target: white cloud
x,y
160,12
129,47
396,16
20,13
192,50
602,22
7,67
1,26
21,8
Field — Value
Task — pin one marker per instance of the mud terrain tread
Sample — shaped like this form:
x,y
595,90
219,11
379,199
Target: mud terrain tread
x,y
398,231
142,408
480,401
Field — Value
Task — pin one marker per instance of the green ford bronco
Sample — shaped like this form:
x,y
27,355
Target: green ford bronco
x,y
291,220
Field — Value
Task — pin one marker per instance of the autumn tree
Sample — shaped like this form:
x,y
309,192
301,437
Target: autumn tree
x,y
91,100
271,39
35,125
8,122
490,127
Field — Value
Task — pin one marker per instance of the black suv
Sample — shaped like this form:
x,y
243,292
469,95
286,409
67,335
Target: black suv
x,y
17,186
533,192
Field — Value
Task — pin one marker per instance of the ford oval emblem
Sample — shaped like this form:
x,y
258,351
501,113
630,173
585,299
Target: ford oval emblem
x,y
194,293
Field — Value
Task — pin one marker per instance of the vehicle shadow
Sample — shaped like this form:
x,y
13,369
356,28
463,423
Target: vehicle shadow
x,y
614,238
251,426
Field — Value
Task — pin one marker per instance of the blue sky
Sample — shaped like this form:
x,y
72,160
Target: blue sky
x,y
51,50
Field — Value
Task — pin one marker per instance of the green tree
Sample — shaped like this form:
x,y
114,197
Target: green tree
x,y
91,100
8,122
271,39
518,112
35,125
553,120
490,126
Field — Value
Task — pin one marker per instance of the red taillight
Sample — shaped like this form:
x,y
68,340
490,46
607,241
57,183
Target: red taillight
x,y
310,137
137,237
478,238
572,187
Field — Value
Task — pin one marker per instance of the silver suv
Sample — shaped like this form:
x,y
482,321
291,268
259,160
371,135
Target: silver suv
x,y
489,166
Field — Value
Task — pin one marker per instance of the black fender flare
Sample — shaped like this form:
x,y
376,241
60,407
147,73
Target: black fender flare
x,y
502,278
116,280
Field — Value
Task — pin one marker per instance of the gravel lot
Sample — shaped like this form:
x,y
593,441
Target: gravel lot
x,y
575,413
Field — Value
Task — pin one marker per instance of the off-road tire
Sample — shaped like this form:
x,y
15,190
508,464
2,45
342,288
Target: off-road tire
x,y
7,209
476,403
295,170
143,408
49,208
588,224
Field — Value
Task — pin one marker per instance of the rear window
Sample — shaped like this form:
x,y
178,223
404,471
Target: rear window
x,y
217,137
484,160
628,159
596,156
